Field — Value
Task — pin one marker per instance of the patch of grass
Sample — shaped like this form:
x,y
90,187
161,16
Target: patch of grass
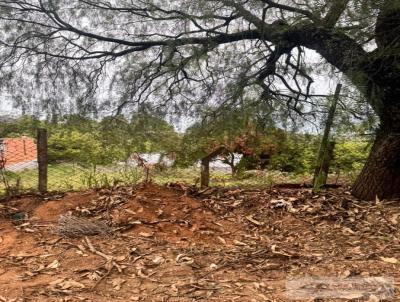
x,y
72,177
188,175
68,176
255,179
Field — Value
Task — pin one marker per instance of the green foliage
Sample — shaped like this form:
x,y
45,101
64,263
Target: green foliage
x,y
88,142
202,138
296,154
92,143
94,179
245,128
25,125
155,134
350,155
246,162
76,146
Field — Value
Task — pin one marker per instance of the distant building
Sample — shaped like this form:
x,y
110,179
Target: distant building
x,y
217,163
18,153
151,159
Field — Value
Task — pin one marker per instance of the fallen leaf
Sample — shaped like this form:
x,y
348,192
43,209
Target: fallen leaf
x,y
239,243
347,230
394,219
57,281
70,284
345,274
120,258
158,260
117,283
181,258
221,239
144,234
252,220
55,264
389,260
93,276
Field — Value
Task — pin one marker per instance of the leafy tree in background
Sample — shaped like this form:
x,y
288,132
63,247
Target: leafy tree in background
x,y
75,138
204,137
350,155
185,54
296,153
143,133
116,136
16,127
85,141
153,133
89,142
77,147
239,130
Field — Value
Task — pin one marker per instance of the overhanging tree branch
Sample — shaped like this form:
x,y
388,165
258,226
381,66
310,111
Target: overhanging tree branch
x,y
335,12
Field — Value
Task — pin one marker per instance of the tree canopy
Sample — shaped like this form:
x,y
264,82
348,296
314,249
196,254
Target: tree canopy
x,y
184,54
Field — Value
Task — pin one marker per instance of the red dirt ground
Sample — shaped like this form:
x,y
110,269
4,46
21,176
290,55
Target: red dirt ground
x,y
218,245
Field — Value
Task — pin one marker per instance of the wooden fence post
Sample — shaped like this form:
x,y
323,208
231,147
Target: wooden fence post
x,y
205,173
42,159
326,149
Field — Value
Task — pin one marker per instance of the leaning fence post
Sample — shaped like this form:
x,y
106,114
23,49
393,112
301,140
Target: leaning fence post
x,y
42,159
326,148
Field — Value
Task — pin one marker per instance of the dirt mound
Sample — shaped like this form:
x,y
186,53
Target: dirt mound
x,y
215,245
52,209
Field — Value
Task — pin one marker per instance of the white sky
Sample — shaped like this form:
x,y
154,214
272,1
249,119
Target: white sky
x,y
323,85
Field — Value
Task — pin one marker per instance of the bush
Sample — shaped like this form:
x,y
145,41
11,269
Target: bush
x,y
350,156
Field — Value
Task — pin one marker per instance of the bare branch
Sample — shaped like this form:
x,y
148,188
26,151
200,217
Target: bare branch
x,y
335,12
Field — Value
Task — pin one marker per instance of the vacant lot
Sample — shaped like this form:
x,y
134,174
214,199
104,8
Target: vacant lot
x,y
178,244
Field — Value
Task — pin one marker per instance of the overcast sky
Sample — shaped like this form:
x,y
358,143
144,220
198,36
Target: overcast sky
x,y
322,85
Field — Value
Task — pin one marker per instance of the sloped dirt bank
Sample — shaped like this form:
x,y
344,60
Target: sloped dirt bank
x,y
170,244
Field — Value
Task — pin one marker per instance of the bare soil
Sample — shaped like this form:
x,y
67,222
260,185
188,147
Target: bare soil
x,y
178,244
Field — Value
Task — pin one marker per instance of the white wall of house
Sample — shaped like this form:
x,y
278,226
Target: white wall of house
x,y
152,159
26,165
218,165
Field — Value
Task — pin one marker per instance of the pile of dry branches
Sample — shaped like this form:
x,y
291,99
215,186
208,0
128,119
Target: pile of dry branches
x,y
72,227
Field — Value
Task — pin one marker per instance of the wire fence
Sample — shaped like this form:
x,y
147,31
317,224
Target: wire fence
x,y
58,161
18,155
26,167
29,164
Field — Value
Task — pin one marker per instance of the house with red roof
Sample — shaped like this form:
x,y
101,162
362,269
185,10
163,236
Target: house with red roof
x,y
18,153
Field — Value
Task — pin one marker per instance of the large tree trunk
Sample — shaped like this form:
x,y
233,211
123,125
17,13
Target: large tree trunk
x,y
380,176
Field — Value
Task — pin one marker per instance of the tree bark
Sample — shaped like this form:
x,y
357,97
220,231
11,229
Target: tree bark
x,y
205,166
205,173
380,176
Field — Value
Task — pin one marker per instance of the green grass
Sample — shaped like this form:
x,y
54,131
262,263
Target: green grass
x,y
191,176
68,177
73,177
